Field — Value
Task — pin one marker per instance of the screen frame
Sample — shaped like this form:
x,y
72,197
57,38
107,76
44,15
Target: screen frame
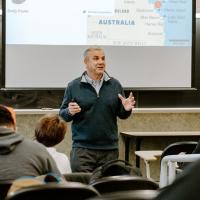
x,y
194,65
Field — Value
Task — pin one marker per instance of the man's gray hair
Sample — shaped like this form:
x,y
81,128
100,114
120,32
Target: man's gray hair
x,y
85,53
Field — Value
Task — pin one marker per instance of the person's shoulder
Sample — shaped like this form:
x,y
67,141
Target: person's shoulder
x,y
32,148
114,81
34,145
74,81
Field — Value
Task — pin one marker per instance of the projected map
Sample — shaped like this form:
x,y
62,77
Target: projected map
x,y
143,23
104,22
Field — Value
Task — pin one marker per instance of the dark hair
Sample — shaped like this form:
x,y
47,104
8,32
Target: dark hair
x,y
50,130
6,117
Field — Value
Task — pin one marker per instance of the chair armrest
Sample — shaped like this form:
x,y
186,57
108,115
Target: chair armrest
x,y
167,164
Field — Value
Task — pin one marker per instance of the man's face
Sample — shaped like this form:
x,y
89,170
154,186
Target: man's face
x,y
95,63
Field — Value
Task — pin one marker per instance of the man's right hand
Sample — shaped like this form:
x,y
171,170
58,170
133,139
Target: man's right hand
x,y
73,108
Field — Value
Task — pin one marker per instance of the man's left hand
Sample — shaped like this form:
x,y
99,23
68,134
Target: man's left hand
x,y
129,102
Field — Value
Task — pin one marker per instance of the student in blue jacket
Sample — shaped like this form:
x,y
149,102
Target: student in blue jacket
x,y
93,102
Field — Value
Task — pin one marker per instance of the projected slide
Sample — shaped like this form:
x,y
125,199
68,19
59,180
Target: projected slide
x,y
45,41
104,22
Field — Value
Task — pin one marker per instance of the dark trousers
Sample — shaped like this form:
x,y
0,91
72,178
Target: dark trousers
x,y
87,160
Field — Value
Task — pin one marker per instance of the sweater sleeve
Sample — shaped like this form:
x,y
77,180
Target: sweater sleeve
x,y
122,113
64,112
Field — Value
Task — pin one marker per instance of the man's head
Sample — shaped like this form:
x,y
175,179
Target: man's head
x,y
94,59
7,117
50,130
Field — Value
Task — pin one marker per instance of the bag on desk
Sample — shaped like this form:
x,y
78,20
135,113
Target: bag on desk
x,y
114,168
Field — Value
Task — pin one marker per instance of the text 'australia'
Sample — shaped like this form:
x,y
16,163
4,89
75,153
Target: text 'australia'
x,y
116,22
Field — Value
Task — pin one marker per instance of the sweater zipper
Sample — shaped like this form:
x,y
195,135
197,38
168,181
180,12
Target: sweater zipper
x,y
97,94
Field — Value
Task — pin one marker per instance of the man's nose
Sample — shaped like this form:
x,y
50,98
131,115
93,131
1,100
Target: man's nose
x,y
101,60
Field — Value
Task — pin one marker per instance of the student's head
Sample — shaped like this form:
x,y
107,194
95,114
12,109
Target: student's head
x,y
7,117
94,59
50,130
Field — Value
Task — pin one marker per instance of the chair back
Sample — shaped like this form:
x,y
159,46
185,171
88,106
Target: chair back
x,y
4,187
81,177
129,195
114,168
52,191
171,158
168,167
186,147
123,183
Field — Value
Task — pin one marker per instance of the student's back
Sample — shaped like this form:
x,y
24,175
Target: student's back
x,y
20,156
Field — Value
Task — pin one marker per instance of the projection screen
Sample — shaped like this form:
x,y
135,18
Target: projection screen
x,y
148,43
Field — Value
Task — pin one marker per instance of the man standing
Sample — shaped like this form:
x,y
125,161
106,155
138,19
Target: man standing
x,y
94,101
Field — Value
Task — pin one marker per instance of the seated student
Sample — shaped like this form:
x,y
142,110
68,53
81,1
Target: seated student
x,y
50,131
19,156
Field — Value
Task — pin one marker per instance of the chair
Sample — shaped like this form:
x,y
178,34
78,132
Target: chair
x,y
168,167
177,148
52,191
186,147
122,183
4,187
129,195
81,177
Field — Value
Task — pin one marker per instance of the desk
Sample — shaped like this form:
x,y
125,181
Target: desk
x,y
138,136
147,156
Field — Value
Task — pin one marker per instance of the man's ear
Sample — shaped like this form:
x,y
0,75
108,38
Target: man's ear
x,y
85,60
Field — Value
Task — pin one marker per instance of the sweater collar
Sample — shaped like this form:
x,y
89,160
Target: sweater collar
x,y
84,79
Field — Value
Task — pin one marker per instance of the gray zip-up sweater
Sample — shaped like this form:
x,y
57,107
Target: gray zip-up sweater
x,y
22,157
95,127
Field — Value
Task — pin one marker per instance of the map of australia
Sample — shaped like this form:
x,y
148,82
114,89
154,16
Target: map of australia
x,y
100,22
143,23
